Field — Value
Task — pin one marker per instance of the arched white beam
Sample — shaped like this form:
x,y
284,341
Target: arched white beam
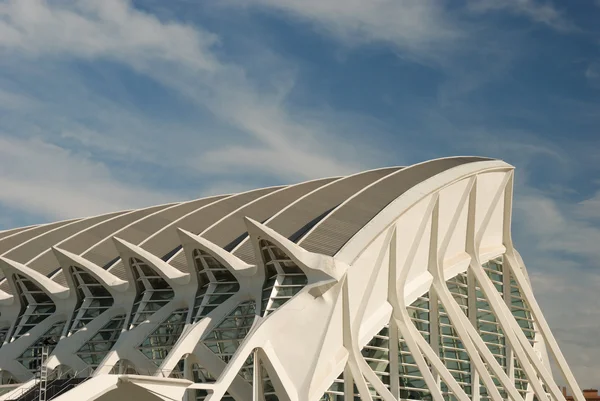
x,y
519,273
248,277
65,351
360,241
82,240
24,253
312,205
316,267
356,211
54,290
168,272
235,265
6,233
11,241
229,228
416,344
166,239
58,294
112,283
126,346
478,351
103,250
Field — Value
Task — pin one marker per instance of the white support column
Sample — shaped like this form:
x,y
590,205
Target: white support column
x,y
514,335
394,342
434,328
457,317
544,329
414,340
352,365
472,308
490,292
355,354
521,345
348,383
510,355
257,378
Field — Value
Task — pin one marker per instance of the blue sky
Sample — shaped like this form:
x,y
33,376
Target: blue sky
x,y
108,104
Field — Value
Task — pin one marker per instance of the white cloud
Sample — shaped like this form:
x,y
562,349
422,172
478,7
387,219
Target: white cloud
x,y
107,28
57,183
542,12
417,27
274,139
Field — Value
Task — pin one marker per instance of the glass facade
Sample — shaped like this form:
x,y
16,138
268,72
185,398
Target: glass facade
x,y
488,327
268,389
411,380
96,348
157,345
377,355
92,299
215,284
283,279
226,337
32,356
152,292
467,293
36,306
451,349
522,314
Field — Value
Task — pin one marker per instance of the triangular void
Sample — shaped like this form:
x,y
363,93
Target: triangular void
x,y
93,299
227,336
159,343
216,284
97,347
32,356
283,277
36,306
152,292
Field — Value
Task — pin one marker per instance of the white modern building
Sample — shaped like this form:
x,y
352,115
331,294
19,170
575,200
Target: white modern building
x,y
391,284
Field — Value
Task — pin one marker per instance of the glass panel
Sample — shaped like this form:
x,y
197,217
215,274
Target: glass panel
x,y
283,278
153,292
92,299
159,343
95,349
225,338
216,284
36,306
32,356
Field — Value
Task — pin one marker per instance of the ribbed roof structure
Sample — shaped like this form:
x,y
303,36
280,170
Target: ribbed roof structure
x,y
394,283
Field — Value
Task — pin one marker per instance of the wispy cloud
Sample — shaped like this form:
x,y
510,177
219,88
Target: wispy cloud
x,y
50,181
274,140
419,28
592,73
542,12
